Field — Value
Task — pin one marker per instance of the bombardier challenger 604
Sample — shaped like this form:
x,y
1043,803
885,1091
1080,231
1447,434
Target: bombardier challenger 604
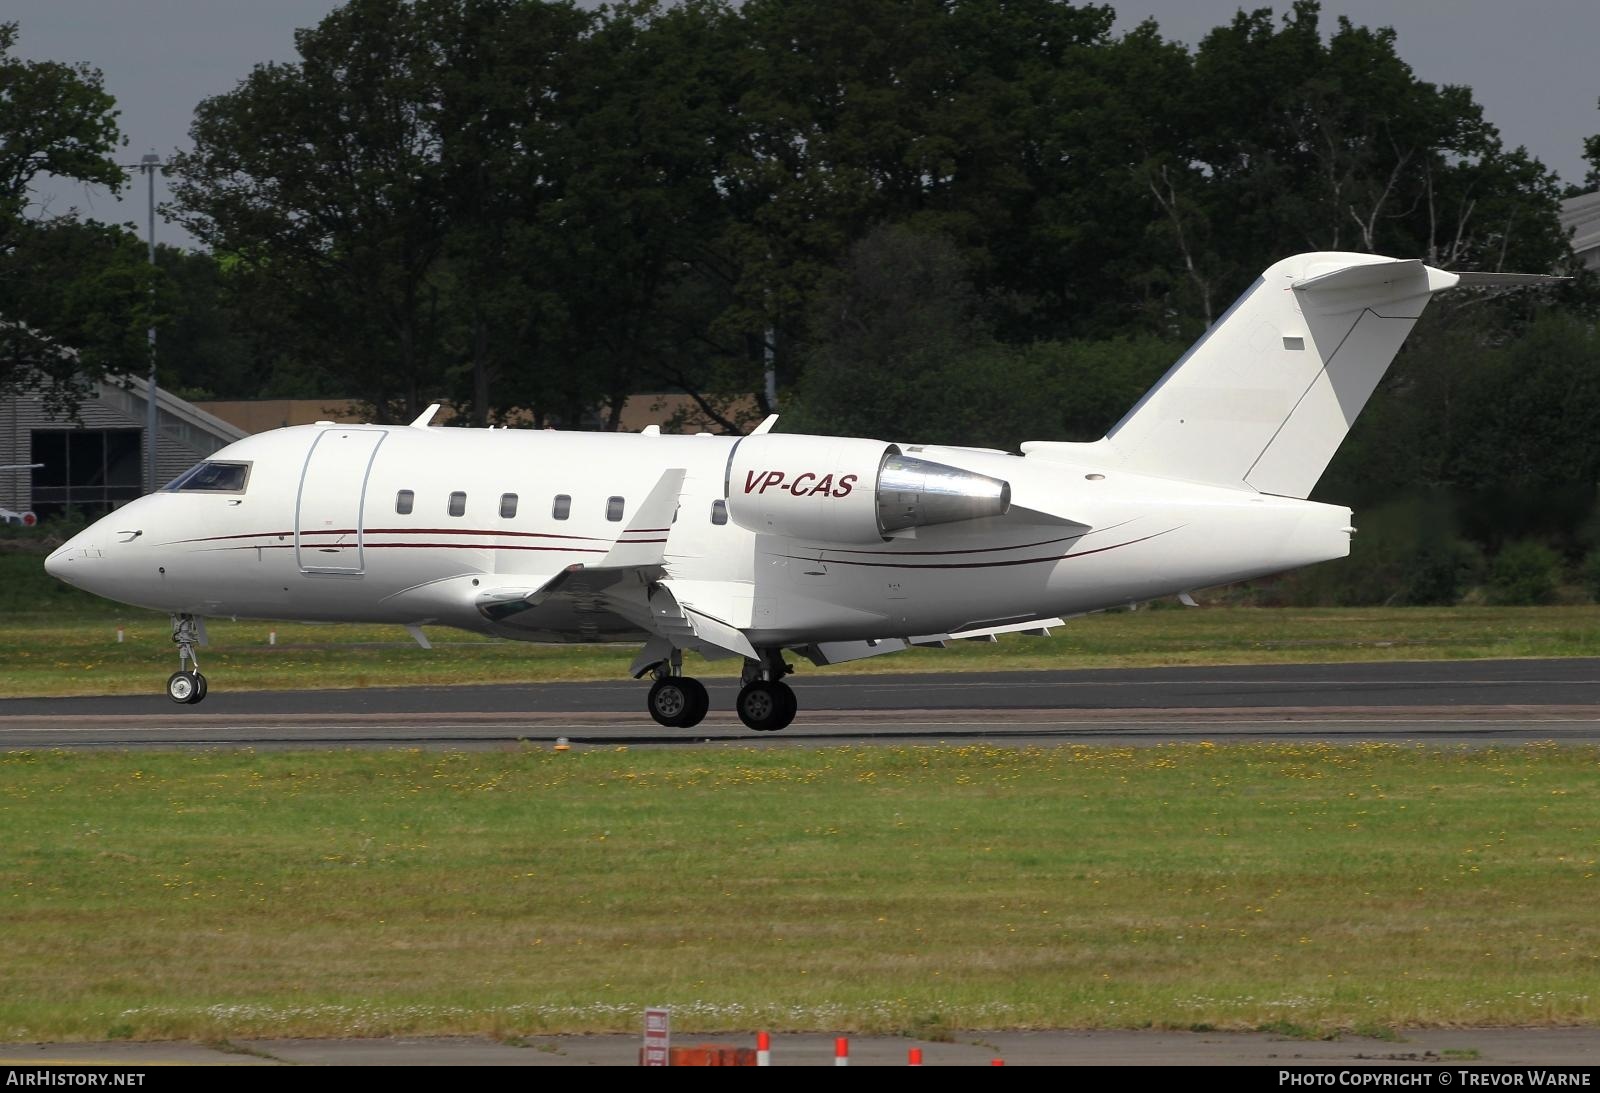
x,y
830,548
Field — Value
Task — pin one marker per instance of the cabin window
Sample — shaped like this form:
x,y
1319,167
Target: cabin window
x,y
404,501
614,506
719,512
213,477
562,507
458,503
508,505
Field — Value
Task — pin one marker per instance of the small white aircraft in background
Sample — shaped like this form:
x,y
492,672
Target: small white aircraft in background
x,y
833,548
12,516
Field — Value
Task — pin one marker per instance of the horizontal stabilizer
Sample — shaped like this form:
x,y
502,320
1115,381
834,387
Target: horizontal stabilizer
x,y
1375,278
1509,280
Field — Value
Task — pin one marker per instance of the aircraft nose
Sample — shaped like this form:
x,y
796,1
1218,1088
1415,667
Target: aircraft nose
x,y
70,560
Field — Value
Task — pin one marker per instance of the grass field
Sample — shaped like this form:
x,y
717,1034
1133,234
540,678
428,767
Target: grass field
x,y
63,655
56,640
1302,888
80,655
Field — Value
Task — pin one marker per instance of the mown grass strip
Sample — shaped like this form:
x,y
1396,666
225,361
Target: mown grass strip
x,y
56,640
233,894
50,655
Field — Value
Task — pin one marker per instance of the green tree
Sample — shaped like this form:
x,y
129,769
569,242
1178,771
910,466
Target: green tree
x,y
506,77
1314,144
1524,572
320,180
70,297
88,296
55,119
634,232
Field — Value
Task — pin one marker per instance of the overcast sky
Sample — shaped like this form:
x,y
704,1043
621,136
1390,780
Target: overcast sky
x,y
1531,64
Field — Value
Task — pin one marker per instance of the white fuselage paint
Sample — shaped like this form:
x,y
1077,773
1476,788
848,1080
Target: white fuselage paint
x,y
316,536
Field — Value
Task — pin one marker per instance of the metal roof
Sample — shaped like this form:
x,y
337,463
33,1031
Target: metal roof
x,y
1581,216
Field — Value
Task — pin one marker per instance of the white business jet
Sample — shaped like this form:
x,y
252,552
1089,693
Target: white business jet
x,y
754,547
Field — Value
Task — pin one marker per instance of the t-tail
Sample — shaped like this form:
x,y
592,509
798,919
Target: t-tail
x,y
1265,397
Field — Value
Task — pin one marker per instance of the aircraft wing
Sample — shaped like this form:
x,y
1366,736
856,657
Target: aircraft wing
x,y
837,652
505,603
609,599
644,541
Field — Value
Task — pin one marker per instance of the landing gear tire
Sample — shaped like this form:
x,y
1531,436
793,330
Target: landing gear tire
x,y
186,688
678,702
701,702
766,705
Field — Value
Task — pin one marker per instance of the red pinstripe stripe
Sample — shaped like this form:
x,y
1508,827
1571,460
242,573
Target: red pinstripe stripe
x,y
422,546
982,565
394,531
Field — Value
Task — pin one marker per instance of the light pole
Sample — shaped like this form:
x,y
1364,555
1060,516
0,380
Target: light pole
x,y
149,165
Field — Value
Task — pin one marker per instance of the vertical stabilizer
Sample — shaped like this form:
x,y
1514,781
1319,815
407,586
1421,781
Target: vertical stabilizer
x,y
1264,398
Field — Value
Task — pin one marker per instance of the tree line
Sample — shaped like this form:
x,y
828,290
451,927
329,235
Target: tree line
x,y
973,221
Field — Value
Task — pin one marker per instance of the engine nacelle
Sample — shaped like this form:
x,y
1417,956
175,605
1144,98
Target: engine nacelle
x,y
847,490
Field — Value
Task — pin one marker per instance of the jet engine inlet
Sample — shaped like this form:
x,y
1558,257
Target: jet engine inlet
x,y
915,493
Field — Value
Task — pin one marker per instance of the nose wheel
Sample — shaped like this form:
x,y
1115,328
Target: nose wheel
x,y
186,686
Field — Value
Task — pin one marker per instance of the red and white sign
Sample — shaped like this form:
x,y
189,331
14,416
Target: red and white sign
x,y
657,1037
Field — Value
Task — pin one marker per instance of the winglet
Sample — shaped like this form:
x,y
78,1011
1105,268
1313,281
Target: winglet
x,y
644,542
765,426
425,417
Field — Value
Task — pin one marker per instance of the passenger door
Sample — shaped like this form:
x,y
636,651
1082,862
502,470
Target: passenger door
x,y
328,532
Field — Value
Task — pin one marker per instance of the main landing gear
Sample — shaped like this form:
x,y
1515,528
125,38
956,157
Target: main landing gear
x,y
186,686
765,702
676,701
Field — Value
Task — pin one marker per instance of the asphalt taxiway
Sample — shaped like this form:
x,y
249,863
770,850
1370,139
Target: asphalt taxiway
x,y
1479,701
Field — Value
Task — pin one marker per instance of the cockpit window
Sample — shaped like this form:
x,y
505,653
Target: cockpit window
x,y
211,477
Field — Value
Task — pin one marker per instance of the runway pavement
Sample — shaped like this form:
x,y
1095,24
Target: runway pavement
x,y
1483,701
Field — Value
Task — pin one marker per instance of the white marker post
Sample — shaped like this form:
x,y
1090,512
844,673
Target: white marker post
x,y
657,1038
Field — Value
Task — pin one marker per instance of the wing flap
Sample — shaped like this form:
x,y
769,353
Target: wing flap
x,y
500,604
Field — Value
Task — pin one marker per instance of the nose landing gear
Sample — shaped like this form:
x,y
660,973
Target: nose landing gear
x,y
186,686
